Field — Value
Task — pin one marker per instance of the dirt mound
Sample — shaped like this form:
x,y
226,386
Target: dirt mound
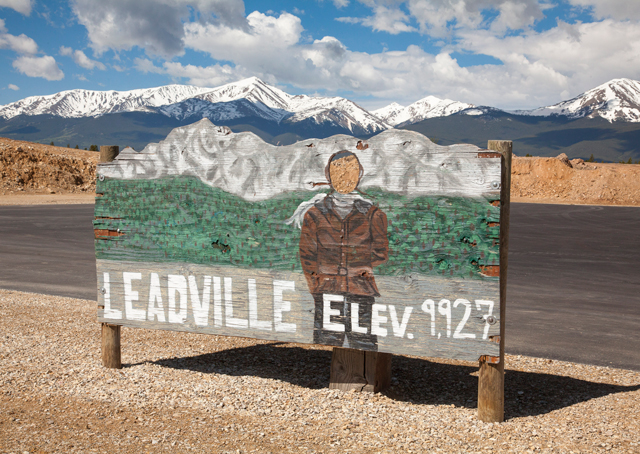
x,y
27,167
37,168
574,182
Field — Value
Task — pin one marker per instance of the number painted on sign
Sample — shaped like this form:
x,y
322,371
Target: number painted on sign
x,y
444,308
479,304
458,334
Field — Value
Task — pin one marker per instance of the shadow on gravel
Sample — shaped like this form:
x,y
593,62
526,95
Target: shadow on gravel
x,y
418,381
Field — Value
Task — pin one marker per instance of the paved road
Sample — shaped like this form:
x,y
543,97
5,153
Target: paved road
x,y
573,288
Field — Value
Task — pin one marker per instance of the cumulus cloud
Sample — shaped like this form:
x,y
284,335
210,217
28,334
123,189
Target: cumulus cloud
x,y
385,19
209,76
13,87
21,44
615,9
21,6
441,18
536,68
154,26
45,67
81,59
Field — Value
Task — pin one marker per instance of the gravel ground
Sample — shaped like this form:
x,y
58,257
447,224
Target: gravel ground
x,y
183,392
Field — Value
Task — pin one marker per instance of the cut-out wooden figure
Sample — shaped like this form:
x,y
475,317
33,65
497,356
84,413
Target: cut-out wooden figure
x,y
343,238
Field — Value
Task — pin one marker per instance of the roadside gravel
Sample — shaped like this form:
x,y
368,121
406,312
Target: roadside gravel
x,y
181,392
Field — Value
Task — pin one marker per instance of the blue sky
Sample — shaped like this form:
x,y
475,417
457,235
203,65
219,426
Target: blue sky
x,y
505,53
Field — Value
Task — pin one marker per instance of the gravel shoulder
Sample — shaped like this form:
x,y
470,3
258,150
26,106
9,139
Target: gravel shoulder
x,y
182,392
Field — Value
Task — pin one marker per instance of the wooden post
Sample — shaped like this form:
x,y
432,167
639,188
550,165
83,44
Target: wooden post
x,y
360,370
491,376
111,353
109,152
111,346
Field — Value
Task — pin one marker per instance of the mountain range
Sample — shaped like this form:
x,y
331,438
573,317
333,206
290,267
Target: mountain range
x,y
604,121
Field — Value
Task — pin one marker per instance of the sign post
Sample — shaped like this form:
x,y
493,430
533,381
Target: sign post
x,y
393,245
111,353
491,376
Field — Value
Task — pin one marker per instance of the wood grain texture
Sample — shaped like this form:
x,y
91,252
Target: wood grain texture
x,y
109,152
198,233
360,370
400,161
111,352
347,370
418,315
377,371
491,376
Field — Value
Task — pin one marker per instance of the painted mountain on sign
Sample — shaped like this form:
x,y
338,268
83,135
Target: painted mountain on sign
x,y
207,195
242,164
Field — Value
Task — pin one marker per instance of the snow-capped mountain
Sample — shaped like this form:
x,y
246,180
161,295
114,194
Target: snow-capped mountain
x,y
617,100
248,97
89,103
429,107
274,104
245,165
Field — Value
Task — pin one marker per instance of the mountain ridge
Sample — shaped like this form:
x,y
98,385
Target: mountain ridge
x,y
616,100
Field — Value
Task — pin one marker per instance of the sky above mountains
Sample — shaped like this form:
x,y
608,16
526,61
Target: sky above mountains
x,y
511,54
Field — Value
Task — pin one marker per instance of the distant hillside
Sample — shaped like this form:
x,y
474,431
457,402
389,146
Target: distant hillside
x,y
603,121
538,135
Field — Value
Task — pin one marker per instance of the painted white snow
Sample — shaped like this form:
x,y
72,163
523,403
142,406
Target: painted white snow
x,y
399,161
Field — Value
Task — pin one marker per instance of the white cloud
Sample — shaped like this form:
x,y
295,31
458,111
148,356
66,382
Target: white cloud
x,y
154,26
571,57
21,6
210,76
13,87
616,9
21,44
81,59
441,18
390,20
45,67
341,3
536,68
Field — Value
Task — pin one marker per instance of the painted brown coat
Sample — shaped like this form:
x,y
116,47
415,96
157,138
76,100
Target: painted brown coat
x,y
338,255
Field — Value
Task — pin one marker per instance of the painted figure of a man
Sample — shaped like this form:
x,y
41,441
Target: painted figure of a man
x,y
343,238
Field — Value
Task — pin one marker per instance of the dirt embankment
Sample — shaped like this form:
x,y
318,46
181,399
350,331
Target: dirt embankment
x,y
43,169
558,180
36,173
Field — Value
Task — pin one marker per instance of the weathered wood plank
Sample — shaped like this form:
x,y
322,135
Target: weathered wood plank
x,y
111,354
347,370
377,371
491,375
415,314
109,152
203,232
399,161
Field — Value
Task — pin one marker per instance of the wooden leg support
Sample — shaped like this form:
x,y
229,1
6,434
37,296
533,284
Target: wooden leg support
x,y
111,346
360,370
491,392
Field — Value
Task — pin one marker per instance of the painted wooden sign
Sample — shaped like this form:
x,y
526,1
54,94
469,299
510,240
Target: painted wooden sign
x,y
388,245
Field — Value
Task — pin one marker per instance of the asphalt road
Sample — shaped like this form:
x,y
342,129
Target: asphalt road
x,y
573,283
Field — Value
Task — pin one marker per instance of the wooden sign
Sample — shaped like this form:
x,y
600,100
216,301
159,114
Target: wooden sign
x,y
387,245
